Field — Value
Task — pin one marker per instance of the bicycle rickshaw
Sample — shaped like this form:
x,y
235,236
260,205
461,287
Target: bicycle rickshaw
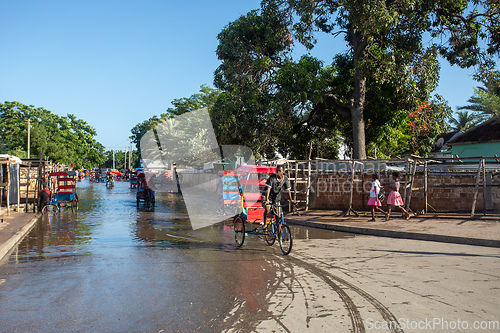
x,y
64,195
251,180
145,193
133,179
110,179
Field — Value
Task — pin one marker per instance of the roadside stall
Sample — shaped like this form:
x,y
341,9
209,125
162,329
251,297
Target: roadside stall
x,y
9,181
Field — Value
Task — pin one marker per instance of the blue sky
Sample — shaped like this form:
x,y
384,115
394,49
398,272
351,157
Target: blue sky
x,y
115,63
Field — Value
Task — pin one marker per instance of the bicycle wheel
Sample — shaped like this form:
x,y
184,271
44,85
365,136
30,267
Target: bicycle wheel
x,y
239,231
285,239
74,206
270,235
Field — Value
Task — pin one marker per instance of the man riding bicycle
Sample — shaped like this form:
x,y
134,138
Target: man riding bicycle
x,y
274,184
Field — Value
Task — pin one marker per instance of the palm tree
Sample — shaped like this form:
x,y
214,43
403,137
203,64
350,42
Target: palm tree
x,y
464,121
486,100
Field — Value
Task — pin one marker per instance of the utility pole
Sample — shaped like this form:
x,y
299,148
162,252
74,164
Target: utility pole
x,y
130,155
29,138
113,159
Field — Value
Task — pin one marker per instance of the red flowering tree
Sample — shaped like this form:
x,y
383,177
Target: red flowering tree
x,y
414,131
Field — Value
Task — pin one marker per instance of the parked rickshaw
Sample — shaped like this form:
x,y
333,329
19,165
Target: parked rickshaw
x,y
145,193
64,195
251,181
133,179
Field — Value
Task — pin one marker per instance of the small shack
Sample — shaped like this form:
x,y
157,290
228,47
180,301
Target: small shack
x,y
9,181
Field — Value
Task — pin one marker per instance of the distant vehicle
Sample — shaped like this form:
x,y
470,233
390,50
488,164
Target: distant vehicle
x,y
110,179
133,179
145,193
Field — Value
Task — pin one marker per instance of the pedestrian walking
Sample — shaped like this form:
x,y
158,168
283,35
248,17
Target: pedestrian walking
x,y
394,197
374,200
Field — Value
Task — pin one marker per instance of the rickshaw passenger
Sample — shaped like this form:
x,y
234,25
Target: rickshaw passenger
x,y
275,183
142,184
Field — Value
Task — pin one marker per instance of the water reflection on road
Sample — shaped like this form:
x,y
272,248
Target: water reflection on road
x,y
115,267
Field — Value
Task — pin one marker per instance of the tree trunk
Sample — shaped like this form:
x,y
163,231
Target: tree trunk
x,y
358,99
358,119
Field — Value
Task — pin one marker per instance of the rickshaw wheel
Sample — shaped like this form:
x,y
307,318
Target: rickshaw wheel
x,y
74,206
285,239
239,231
270,235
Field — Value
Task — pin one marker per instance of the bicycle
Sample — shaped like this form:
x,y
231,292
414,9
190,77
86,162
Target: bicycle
x,y
276,229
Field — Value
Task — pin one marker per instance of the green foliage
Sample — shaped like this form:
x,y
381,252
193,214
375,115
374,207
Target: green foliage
x,y
386,51
464,121
206,98
413,131
65,140
485,102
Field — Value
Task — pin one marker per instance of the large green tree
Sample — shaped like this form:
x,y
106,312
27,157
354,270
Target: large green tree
x,y
385,50
205,98
251,48
67,140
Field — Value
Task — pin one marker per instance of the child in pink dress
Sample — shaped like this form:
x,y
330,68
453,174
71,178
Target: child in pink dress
x,y
395,198
374,200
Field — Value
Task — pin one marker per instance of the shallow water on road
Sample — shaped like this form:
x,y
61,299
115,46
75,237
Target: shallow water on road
x,y
116,267
111,218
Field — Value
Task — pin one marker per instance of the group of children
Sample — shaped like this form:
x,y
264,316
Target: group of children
x,y
394,198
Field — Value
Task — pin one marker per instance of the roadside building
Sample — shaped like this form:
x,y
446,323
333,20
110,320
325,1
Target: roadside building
x,y
482,140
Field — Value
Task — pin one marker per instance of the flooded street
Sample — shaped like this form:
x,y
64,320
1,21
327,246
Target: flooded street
x,y
115,267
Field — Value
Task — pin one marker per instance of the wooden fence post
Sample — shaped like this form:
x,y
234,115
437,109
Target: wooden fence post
x,y
476,188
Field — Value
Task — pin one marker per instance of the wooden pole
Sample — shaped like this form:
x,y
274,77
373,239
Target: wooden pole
x,y
308,182
3,187
484,187
130,155
351,194
295,182
412,181
425,187
407,171
27,187
476,188
8,188
28,150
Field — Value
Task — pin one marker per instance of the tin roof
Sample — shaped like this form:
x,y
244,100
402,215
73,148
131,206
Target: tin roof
x,y
488,131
